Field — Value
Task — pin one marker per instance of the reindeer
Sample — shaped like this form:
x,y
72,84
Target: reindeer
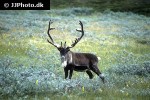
x,y
83,62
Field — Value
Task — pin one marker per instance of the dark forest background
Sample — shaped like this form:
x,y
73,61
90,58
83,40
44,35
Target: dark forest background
x,y
137,6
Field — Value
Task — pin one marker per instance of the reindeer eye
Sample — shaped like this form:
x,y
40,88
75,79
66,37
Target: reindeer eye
x,y
68,49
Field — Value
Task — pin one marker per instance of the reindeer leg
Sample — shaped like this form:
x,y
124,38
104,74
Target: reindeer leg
x,y
90,74
66,72
97,71
71,72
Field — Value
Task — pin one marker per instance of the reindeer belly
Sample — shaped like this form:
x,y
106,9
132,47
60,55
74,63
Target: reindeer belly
x,y
81,68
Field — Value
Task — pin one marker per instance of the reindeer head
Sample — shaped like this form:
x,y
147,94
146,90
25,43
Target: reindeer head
x,y
63,49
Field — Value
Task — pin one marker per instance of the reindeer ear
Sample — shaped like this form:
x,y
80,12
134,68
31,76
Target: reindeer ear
x,y
68,49
59,48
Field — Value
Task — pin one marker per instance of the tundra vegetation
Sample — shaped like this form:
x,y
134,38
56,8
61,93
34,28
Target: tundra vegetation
x,y
30,67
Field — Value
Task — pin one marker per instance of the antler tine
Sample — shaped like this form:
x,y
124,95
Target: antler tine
x,y
78,39
61,44
48,32
49,28
65,44
81,27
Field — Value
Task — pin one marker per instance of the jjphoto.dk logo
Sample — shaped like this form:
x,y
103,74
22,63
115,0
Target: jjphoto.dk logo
x,y
25,5
15,5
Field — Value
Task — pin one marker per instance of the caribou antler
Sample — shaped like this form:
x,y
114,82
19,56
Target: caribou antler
x,y
78,39
48,32
57,45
